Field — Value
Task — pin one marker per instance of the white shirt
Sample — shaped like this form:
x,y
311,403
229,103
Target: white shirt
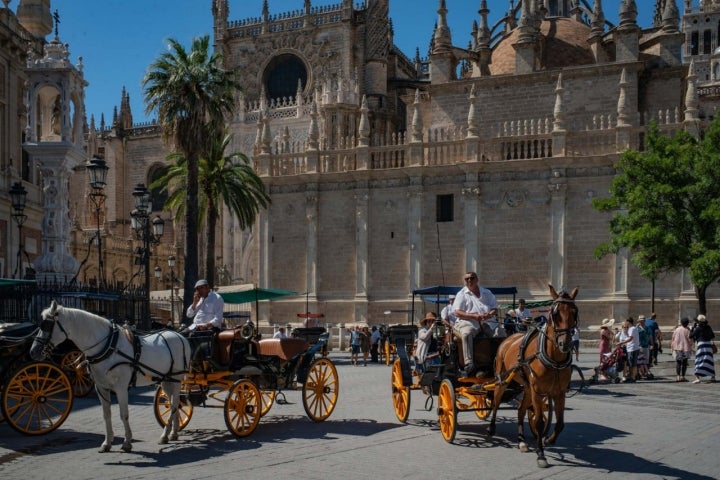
x,y
448,314
523,314
279,334
209,310
467,301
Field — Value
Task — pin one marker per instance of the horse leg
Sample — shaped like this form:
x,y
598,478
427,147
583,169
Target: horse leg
x,y
539,429
559,401
123,401
105,398
170,432
497,398
522,410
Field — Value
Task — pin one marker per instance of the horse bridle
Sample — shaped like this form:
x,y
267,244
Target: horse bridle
x,y
557,332
47,326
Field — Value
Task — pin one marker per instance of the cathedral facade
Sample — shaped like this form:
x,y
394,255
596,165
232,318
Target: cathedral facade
x,y
390,172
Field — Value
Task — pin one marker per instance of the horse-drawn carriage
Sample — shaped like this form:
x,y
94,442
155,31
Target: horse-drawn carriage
x,y
531,370
237,371
311,331
396,337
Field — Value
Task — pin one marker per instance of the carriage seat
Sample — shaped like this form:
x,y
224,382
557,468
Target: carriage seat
x,y
284,348
224,340
484,351
17,330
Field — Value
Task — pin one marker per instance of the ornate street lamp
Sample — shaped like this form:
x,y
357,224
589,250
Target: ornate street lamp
x,y
18,197
97,174
141,224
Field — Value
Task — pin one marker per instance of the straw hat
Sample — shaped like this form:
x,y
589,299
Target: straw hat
x,y
607,323
701,318
429,317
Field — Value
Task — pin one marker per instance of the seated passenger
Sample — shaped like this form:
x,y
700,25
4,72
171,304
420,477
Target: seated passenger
x,y
206,309
427,345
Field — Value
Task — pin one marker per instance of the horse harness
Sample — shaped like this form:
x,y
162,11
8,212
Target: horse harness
x,y
110,347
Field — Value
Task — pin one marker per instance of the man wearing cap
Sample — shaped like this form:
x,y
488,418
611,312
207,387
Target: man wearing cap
x,y
206,309
476,310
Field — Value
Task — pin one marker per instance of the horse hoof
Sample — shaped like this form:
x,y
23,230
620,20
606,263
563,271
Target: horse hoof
x,y
523,447
104,448
163,441
542,463
174,437
127,447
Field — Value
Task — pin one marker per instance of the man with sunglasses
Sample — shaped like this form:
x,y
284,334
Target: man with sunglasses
x,y
475,307
206,309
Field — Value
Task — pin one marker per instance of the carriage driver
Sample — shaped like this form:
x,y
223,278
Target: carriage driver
x,y
206,309
475,309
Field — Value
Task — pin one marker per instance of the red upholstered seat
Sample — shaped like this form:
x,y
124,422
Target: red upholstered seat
x,y
284,348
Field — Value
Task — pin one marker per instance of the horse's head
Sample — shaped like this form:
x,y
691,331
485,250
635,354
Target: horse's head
x,y
563,318
45,339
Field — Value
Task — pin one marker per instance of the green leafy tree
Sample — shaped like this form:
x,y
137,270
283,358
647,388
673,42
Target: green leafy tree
x,y
666,207
191,93
224,180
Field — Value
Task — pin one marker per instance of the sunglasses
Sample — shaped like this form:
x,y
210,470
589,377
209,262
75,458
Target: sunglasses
x,y
468,279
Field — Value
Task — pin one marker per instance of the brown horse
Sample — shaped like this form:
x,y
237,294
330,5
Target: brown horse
x,y
539,361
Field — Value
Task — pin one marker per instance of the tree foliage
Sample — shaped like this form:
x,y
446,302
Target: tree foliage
x,y
191,94
666,207
228,180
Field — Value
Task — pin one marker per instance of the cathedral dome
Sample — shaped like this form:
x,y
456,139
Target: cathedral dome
x,y
565,44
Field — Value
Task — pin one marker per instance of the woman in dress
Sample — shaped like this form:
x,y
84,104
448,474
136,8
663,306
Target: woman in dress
x,y
606,338
681,346
702,334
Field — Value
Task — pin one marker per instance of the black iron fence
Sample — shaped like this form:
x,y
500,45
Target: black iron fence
x,y
23,301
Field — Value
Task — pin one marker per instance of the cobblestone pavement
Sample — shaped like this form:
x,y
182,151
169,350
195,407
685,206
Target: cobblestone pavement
x,y
648,430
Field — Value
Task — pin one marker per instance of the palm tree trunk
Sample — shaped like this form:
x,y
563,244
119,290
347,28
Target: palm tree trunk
x,y
210,251
191,229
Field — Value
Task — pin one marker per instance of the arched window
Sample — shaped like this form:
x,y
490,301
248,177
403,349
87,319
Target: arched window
x,y
694,41
707,42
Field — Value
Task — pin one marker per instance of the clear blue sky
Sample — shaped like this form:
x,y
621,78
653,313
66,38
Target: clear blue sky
x,y
119,39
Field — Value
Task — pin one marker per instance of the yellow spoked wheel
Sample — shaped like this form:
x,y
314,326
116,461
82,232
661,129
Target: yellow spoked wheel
x,y
482,401
243,407
400,393
268,397
320,390
387,352
79,376
447,411
163,408
37,398
547,414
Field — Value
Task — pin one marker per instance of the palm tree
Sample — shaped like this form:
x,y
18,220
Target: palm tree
x,y
224,180
191,93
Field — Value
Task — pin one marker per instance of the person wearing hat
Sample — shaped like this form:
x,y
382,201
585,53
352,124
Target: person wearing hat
x,y
206,309
606,337
447,314
644,352
426,342
704,359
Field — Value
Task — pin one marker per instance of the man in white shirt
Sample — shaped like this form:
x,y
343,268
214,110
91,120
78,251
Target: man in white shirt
x,y
206,309
375,337
632,345
475,308
280,333
448,312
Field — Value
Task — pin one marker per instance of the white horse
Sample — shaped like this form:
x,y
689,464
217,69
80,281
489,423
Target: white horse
x,y
118,360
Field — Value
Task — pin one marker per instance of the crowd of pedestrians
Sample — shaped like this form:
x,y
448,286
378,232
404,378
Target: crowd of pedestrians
x,y
631,350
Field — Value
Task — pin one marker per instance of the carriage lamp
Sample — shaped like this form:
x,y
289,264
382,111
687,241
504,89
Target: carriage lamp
x,y
439,329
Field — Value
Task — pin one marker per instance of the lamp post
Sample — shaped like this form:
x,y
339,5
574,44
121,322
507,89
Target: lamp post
x,y
18,197
171,264
141,224
97,174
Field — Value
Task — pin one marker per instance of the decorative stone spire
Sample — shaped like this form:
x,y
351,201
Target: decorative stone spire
x,y
442,38
526,28
691,95
364,129
623,109
597,24
265,147
628,15
671,17
472,119
313,130
559,111
483,33
417,125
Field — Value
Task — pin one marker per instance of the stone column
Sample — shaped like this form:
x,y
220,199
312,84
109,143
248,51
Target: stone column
x,y
471,221
311,216
558,194
414,218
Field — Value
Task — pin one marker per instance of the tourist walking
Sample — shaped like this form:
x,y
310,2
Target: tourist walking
x,y
681,346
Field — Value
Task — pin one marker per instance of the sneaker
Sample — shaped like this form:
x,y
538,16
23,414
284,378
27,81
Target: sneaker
x,y
697,380
628,380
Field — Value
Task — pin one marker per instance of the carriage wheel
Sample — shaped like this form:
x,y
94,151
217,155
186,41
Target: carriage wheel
x,y
162,407
37,398
243,407
447,411
480,402
387,352
82,383
400,393
547,413
577,381
320,390
268,397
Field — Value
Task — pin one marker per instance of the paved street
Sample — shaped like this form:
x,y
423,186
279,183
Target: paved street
x,y
657,429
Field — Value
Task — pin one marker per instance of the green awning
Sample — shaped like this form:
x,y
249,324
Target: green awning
x,y
255,295
530,305
9,282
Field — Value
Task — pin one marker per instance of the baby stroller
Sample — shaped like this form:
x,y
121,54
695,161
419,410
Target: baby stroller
x,y
610,367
